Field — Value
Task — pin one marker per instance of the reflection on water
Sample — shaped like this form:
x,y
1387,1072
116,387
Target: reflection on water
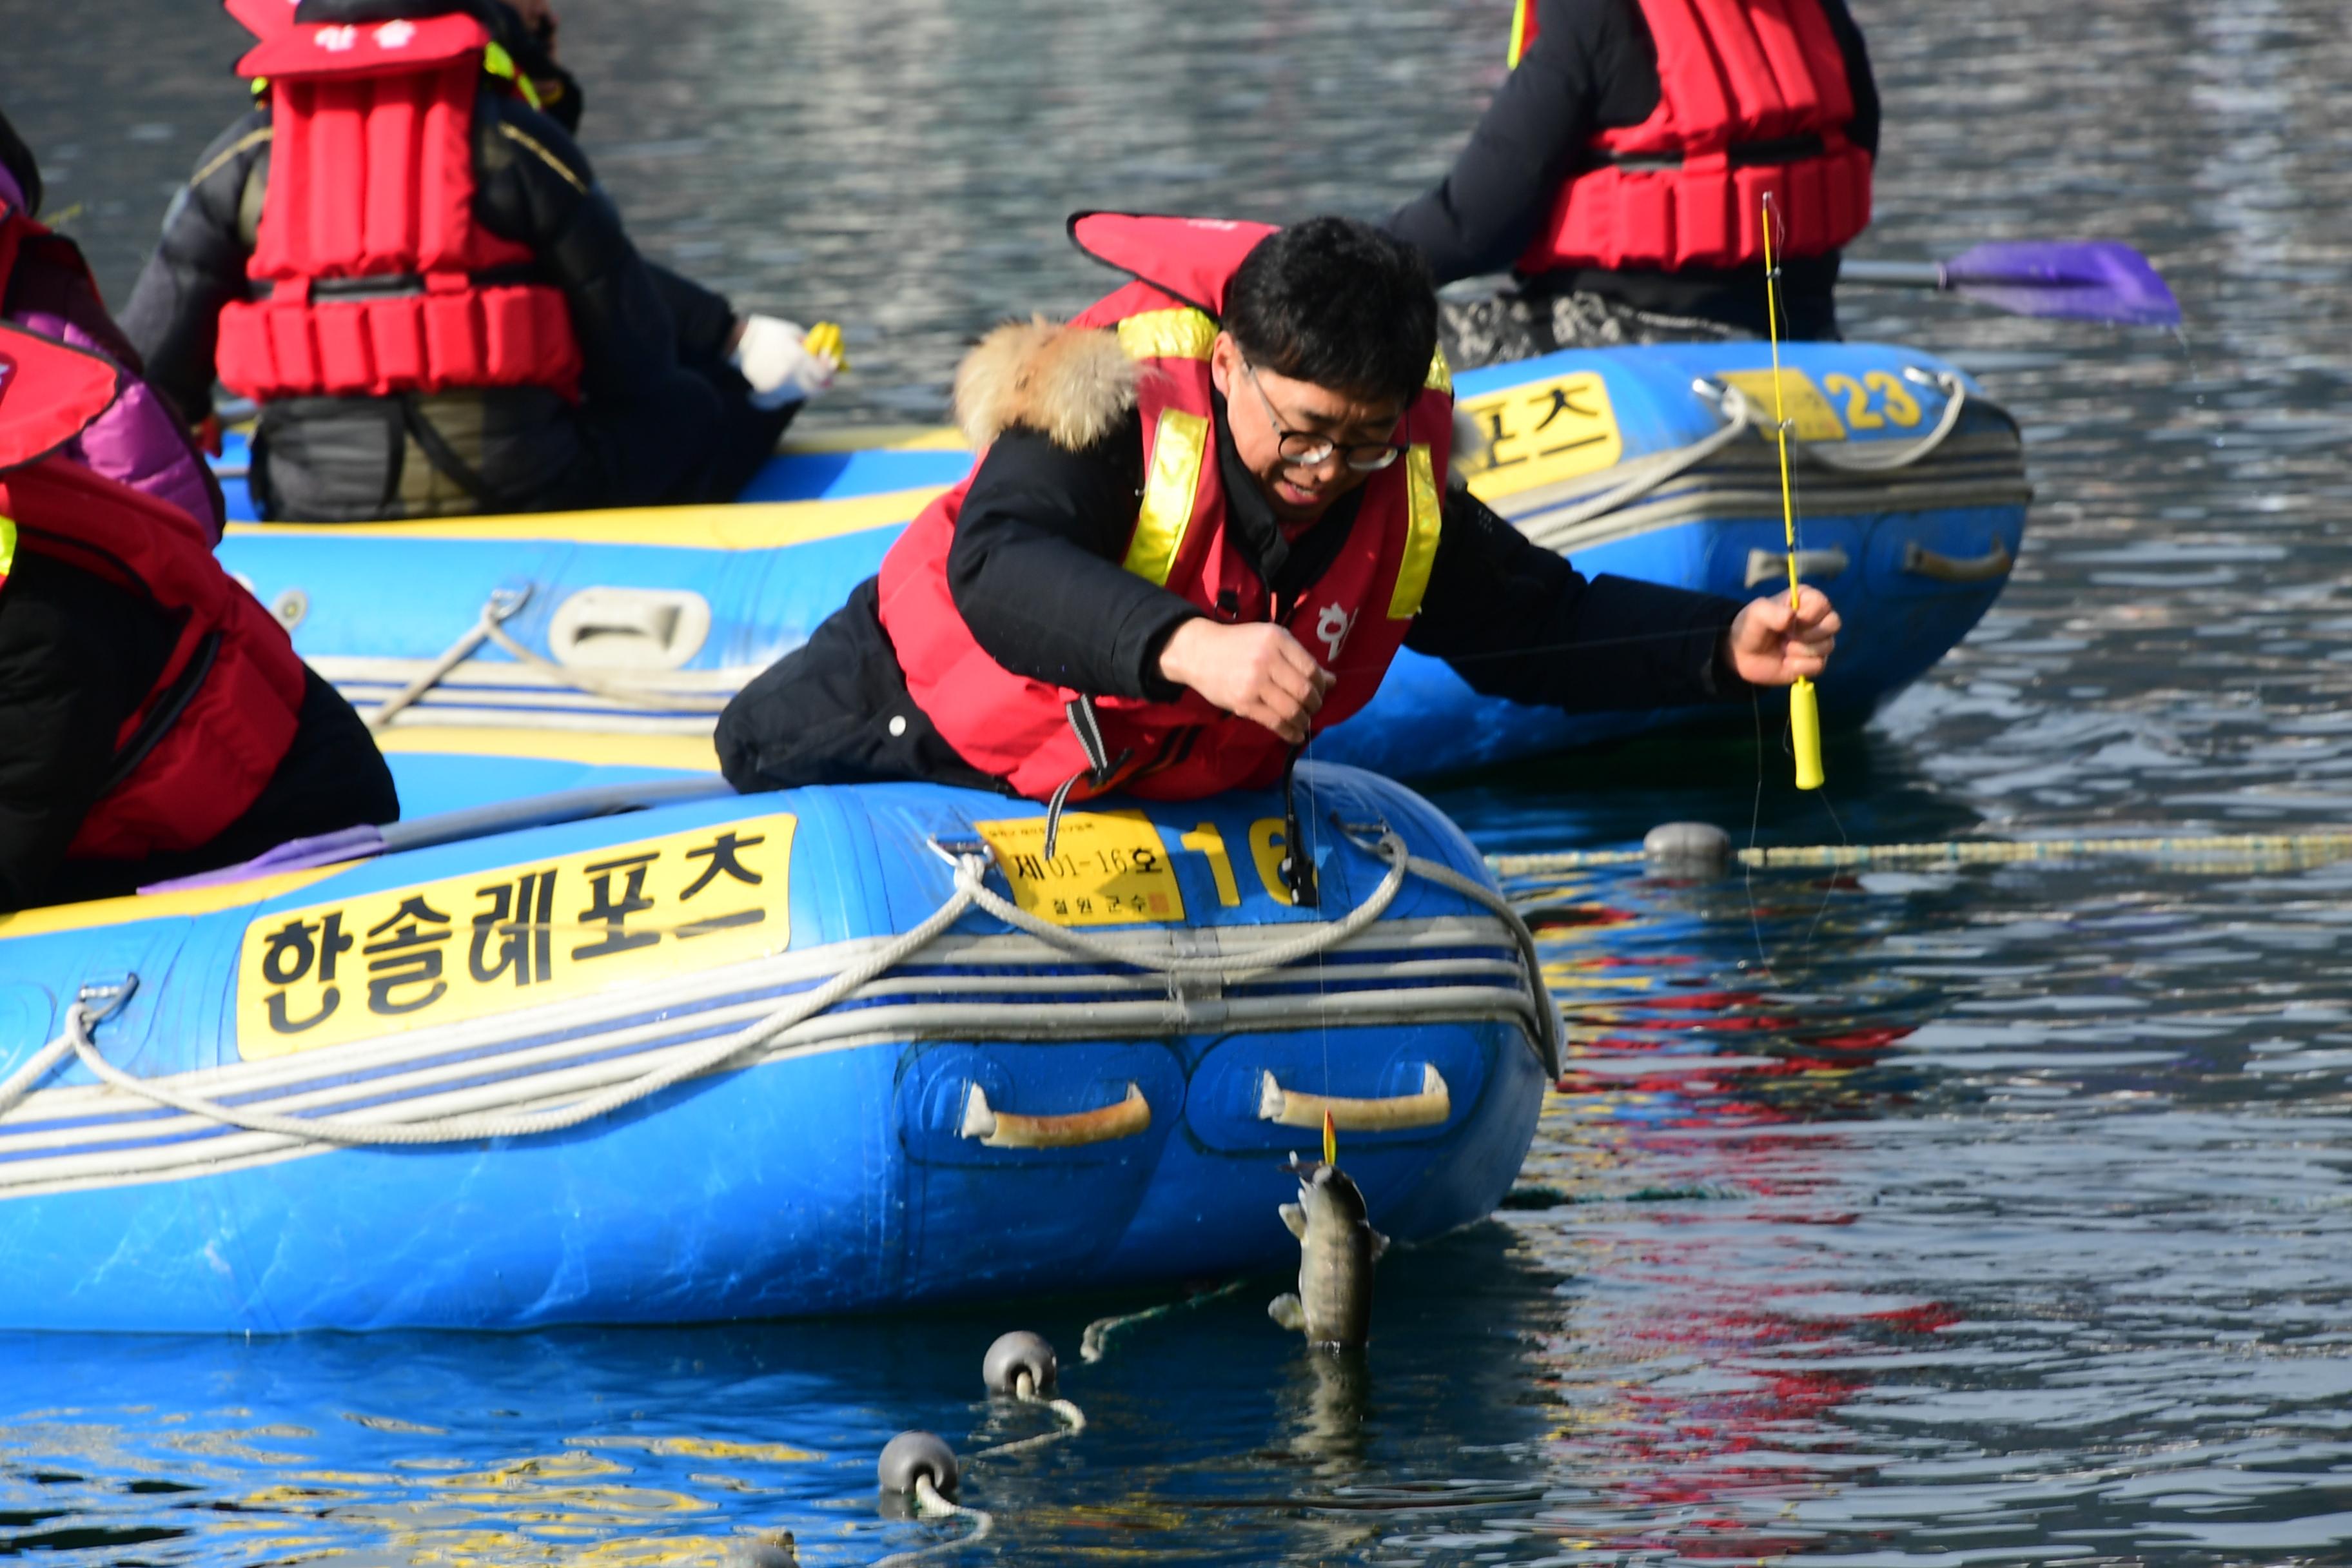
x,y
1986,1217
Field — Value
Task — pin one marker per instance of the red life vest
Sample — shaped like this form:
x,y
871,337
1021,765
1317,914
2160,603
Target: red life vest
x,y
1752,97
205,739
1353,619
21,234
380,281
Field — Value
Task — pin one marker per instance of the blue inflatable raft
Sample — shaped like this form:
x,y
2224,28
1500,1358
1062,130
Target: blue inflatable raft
x,y
669,1054
597,648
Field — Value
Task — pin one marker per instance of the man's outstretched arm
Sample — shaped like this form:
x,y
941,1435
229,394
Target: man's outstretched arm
x,y
1518,622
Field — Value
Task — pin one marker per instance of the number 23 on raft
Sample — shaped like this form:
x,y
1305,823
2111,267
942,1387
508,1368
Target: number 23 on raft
x,y
1873,401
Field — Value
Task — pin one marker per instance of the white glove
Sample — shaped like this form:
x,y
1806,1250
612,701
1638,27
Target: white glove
x,y
775,360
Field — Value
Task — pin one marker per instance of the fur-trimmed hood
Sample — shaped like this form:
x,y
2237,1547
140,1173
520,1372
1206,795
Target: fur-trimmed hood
x,y
1071,385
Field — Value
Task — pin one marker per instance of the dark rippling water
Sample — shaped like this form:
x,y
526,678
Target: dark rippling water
x,y
1988,1217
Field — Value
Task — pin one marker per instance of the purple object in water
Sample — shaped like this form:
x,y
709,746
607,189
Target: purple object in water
x,y
2084,279
361,843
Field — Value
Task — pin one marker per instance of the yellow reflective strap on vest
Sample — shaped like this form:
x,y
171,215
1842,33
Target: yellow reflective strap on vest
x,y
1427,513
1519,30
8,548
499,63
1168,335
1440,376
1168,491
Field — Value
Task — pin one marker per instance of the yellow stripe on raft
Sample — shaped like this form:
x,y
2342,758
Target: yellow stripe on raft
x,y
683,753
875,439
756,525
157,906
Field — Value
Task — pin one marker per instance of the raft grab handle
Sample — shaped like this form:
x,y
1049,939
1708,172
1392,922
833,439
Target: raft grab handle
x,y
1004,1130
1289,1108
1921,562
1766,565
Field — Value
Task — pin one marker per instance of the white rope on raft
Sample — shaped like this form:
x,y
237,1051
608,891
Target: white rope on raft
x,y
2235,849
971,892
490,627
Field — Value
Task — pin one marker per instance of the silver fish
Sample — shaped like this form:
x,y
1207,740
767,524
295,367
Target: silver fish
x,y
1336,1249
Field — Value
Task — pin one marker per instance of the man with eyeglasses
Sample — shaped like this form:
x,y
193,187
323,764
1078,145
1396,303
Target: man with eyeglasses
x,y
1207,513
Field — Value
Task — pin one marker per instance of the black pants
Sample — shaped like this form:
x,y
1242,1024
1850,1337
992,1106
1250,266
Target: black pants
x,y
332,777
836,711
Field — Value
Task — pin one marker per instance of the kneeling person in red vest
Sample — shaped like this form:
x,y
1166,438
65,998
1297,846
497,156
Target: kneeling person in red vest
x,y
1208,511
158,722
415,274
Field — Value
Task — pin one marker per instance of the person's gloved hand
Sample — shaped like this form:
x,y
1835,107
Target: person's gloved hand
x,y
774,357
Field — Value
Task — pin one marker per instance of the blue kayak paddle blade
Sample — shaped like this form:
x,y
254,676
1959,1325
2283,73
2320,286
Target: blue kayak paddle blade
x,y
2083,281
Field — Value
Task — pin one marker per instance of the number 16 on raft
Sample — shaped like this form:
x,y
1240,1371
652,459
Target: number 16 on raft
x,y
1804,710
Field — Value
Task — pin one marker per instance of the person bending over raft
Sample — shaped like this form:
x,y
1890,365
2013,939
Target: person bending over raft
x,y
417,276
158,722
1208,513
45,287
1620,174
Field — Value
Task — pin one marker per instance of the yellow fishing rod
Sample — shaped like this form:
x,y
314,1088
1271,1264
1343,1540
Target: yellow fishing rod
x,y
1804,710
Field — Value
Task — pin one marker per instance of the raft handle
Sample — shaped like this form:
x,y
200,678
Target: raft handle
x,y
1004,1130
1921,562
1768,565
100,1003
1289,1108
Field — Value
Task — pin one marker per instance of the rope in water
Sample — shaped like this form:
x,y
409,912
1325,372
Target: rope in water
x,y
2262,849
1096,1341
927,1499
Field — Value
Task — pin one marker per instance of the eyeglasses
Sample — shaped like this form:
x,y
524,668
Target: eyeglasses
x,y
1306,450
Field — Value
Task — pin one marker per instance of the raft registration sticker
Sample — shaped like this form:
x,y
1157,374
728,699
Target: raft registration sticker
x,y
1107,867
513,936
1544,432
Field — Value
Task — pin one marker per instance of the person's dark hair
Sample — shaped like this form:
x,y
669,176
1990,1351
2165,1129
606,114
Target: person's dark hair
x,y
20,162
1337,303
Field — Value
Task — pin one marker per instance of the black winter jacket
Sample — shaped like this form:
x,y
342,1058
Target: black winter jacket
x,y
1594,67
1035,570
77,656
648,421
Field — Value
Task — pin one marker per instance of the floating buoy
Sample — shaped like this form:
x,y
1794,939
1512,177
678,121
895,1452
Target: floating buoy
x,y
1687,848
913,1457
1019,1365
768,1549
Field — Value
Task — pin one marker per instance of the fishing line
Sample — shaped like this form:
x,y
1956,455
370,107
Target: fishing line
x,y
1322,974
1828,884
1755,822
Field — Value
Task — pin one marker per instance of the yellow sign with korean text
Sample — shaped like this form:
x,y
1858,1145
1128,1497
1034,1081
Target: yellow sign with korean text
x,y
1810,415
1107,867
1543,432
513,936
